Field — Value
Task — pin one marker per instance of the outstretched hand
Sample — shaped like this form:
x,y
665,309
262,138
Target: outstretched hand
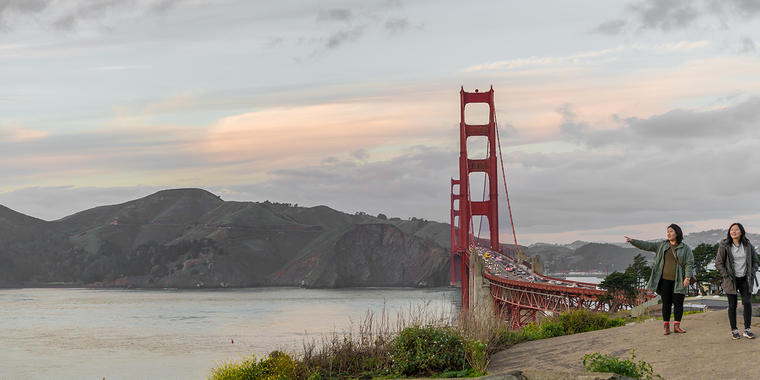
x,y
627,239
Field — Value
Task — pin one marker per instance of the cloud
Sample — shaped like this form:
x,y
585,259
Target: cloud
x,y
360,154
20,7
675,129
69,14
748,45
119,68
56,202
745,8
359,22
417,179
674,166
397,25
245,146
589,57
648,178
275,42
670,15
335,14
23,6
690,124
15,133
678,165
88,10
163,6
413,183
665,14
342,37
569,125
612,27
339,128
88,157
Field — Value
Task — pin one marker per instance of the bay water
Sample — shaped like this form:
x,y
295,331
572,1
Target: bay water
x,y
180,334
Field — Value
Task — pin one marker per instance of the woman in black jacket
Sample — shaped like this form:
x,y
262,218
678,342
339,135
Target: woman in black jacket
x,y
737,262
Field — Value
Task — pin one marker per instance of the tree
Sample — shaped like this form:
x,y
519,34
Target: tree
x,y
704,254
621,289
714,278
639,270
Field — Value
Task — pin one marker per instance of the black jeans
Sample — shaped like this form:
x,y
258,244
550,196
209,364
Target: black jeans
x,y
670,299
742,287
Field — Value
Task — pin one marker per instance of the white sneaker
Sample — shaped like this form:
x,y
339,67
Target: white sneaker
x,y
748,334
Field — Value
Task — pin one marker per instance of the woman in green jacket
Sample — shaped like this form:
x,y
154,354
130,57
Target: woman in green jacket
x,y
673,266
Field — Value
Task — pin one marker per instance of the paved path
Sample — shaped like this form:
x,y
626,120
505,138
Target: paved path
x,y
706,351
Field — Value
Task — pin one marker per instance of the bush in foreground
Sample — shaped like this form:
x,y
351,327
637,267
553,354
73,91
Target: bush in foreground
x,y
579,321
597,362
428,350
277,365
417,348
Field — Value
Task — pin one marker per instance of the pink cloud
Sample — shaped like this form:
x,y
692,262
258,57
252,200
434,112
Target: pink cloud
x,y
282,136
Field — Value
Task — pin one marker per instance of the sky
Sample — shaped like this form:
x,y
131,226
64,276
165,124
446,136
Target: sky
x,y
616,117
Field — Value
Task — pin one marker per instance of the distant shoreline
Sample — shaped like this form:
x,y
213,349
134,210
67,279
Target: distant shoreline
x,y
84,286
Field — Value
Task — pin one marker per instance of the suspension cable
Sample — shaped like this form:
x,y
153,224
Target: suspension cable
x,y
506,192
485,185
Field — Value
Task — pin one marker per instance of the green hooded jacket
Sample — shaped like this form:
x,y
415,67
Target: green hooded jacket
x,y
684,255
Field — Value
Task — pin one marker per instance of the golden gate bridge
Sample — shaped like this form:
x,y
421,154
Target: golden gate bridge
x,y
514,289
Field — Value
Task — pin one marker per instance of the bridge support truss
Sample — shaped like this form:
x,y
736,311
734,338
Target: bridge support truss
x,y
520,301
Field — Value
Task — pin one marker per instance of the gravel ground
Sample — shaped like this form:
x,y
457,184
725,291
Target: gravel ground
x,y
706,351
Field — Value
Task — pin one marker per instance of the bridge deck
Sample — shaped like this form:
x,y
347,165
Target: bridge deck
x,y
504,270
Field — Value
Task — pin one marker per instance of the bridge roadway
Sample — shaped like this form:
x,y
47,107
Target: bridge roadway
x,y
520,294
505,267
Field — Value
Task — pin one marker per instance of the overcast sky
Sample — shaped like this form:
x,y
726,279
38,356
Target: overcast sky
x,y
616,117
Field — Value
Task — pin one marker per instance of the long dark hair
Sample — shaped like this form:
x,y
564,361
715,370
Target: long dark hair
x,y
679,232
743,239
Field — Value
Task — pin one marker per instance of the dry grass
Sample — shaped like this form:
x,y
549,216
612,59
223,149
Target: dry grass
x,y
367,345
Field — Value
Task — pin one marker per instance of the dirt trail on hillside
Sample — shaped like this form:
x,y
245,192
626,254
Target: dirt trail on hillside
x,y
706,351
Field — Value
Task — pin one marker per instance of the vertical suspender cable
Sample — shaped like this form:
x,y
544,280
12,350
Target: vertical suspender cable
x,y
485,185
506,192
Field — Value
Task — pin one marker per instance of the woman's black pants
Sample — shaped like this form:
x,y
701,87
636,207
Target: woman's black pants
x,y
742,287
670,299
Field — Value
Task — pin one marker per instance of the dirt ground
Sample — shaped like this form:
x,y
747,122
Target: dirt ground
x,y
706,351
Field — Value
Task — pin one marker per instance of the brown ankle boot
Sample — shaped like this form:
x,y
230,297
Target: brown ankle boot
x,y
667,330
677,329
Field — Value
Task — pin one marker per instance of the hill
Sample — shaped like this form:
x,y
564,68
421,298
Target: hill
x,y
586,257
713,236
192,238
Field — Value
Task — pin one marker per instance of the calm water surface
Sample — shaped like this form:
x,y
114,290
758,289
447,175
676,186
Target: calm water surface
x,y
140,334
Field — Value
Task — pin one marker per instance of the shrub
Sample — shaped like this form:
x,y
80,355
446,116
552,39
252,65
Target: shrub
x,y
502,337
244,370
597,362
476,357
550,329
532,332
428,350
276,366
579,321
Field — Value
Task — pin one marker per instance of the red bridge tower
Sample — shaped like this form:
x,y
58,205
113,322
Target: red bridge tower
x,y
462,236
